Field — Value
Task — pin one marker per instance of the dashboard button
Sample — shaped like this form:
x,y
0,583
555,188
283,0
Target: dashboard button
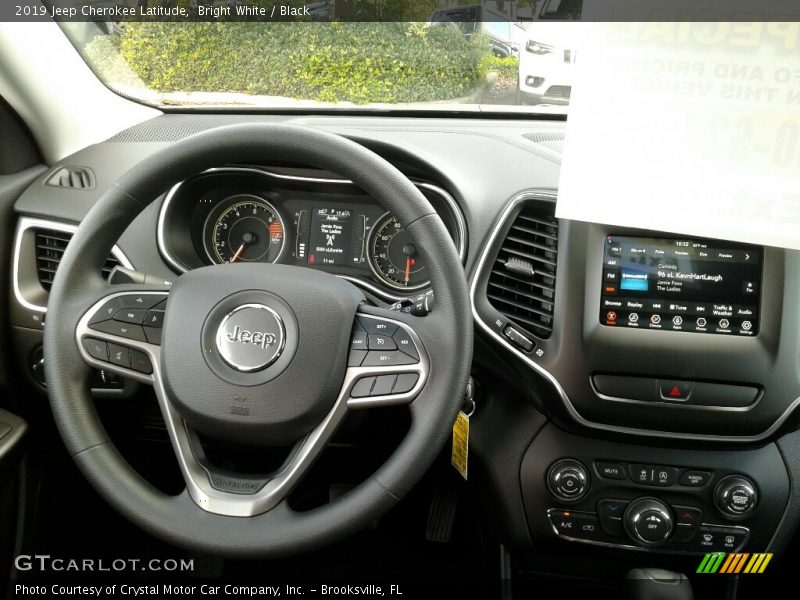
x,y
619,386
96,349
610,470
656,475
568,480
125,330
717,394
378,327
119,355
674,389
610,514
405,343
518,338
379,358
405,383
687,515
695,478
380,342
363,387
684,534
134,316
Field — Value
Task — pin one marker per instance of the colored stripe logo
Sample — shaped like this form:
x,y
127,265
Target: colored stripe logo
x,y
734,563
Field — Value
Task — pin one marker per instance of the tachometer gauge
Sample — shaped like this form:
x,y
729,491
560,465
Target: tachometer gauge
x,y
393,256
246,229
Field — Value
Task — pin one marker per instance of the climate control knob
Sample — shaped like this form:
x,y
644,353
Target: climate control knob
x,y
568,480
648,522
736,496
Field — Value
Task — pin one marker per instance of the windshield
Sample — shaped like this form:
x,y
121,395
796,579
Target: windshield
x,y
464,59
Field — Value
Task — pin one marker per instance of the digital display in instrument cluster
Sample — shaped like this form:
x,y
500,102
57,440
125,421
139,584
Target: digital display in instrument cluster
x,y
331,237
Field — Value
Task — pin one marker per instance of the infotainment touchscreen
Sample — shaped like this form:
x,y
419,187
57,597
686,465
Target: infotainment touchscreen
x,y
699,286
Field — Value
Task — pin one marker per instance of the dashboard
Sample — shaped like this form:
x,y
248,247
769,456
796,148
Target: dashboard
x,y
634,363
296,217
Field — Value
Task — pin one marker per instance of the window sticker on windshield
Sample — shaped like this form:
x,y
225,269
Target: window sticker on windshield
x,y
686,127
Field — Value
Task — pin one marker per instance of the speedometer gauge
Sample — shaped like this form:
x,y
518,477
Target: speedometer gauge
x,y
393,256
246,229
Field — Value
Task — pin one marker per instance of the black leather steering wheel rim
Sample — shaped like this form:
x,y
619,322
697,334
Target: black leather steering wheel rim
x,y
447,336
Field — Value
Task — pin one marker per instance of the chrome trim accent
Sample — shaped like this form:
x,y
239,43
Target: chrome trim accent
x,y
550,195
677,404
195,474
661,549
26,223
455,211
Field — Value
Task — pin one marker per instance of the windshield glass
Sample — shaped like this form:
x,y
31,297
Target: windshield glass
x,y
461,58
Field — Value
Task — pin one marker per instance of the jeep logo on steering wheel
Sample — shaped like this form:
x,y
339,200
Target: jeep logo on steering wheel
x,y
251,337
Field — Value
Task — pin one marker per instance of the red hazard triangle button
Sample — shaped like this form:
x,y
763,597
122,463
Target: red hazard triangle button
x,y
671,389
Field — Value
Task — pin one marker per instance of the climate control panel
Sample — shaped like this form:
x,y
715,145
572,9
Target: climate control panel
x,y
672,500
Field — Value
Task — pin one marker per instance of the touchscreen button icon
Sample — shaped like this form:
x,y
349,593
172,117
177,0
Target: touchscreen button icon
x,y
655,319
701,322
724,323
677,320
633,317
747,325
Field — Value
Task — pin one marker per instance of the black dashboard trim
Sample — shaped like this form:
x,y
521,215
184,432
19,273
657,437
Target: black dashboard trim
x,y
488,249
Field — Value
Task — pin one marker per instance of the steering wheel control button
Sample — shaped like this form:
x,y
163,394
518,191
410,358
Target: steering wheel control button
x,y
96,349
610,470
356,357
251,337
405,343
674,390
648,522
140,300
153,335
405,383
568,480
107,311
383,385
119,355
154,318
653,475
378,327
695,479
736,496
134,316
140,362
363,387
518,338
381,342
359,340
393,358
124,330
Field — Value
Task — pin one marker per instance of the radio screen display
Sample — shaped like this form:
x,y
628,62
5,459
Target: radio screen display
x,y
699,286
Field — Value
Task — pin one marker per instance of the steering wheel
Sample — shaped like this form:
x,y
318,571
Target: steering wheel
x,y
257,354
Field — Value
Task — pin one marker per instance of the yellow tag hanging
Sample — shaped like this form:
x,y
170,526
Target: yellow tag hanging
x,y
460,456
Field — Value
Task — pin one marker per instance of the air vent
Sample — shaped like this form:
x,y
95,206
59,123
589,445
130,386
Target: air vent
x,y
522,283
50,246
76,178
